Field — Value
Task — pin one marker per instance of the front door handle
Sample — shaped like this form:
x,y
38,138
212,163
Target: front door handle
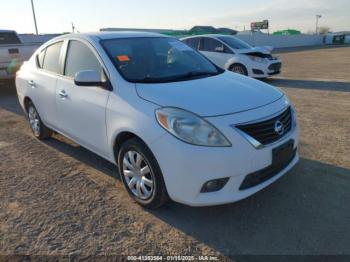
x,y
32,84
63,94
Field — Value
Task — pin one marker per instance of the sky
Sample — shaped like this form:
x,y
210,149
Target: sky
x,y
56,16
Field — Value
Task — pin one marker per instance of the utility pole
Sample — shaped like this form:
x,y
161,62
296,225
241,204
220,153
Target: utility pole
x,y
36,26
317,18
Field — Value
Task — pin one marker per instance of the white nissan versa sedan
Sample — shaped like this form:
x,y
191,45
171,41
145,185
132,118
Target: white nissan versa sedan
x,y
235,55
176,125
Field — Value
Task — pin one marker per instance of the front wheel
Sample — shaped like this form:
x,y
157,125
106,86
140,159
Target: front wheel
x,y
239,69
141,174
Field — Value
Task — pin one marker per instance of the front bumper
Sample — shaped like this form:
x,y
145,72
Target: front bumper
x,y
261,70
186,167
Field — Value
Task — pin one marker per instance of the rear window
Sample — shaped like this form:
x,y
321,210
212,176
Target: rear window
x,y
9,38
52,58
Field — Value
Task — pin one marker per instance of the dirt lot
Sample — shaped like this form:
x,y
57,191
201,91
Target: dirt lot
x,y
58,198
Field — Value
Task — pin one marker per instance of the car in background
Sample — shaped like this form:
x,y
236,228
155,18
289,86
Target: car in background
x,y
174,123
13,52
231,53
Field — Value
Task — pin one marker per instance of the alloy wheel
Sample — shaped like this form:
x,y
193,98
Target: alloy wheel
x,y
239,70
34,120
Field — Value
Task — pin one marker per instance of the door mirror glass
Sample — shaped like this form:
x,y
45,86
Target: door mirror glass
x,y
88,78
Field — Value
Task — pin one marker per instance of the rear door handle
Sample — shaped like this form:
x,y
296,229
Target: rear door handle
x,y
32,84
63,94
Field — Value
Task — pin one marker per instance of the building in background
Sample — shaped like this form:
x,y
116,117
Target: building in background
x,y
250,32
32,38
200,30
338,38
196,30
287,32
204,30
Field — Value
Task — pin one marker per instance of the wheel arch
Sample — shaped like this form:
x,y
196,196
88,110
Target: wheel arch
x,y
245,68
26,102
121,138
237,63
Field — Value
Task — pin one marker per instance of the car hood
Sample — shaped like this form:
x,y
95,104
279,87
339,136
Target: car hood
x,y
227,93
260,49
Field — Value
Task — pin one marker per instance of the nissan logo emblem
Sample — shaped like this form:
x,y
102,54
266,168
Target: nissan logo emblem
x,y
279,128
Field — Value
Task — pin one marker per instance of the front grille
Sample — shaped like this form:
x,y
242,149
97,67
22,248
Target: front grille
x,y
275,67
265,132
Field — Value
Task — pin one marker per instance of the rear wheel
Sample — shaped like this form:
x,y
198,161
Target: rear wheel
x,y
141,174
239,69
40,131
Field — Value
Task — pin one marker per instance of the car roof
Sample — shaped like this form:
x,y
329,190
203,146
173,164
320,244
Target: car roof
x,y
109,35
7,31
207,35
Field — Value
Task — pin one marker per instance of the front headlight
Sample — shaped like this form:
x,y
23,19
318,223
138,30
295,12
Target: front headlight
x,y
293,112
190,128
257,59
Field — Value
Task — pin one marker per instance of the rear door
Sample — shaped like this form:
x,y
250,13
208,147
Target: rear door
x,y
216,51
82,109
42,82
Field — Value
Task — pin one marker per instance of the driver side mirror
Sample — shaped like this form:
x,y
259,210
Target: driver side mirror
x,y
90,78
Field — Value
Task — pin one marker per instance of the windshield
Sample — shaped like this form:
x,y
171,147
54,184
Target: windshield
x,y
157,59
235,43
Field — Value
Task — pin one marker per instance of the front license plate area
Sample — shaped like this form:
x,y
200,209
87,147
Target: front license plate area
x,y
282,155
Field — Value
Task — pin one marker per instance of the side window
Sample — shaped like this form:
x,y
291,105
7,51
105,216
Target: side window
x,y
9,38
80,58
52,58
227,50
40,58
211,45
193,42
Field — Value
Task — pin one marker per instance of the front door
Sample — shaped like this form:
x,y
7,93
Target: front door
x,y
216,51
82,109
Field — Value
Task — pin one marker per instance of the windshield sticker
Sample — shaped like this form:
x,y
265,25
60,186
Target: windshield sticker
x,y
123,58
180,46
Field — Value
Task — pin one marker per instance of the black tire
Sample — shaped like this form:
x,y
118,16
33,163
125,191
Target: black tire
x,y
42,132
159,195
239,69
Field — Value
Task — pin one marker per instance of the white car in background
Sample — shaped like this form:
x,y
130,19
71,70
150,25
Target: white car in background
x,y
176,125
231,53
13,53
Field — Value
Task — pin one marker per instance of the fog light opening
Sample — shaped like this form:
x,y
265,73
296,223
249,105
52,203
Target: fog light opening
x,y
214,185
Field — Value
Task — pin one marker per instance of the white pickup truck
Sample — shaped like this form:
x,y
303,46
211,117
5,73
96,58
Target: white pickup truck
x,y
13,53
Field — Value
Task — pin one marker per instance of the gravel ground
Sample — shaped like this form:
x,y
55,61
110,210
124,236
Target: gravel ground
x,y
60,199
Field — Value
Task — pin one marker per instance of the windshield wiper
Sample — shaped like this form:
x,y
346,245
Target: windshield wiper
x,y
175,78
198,73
